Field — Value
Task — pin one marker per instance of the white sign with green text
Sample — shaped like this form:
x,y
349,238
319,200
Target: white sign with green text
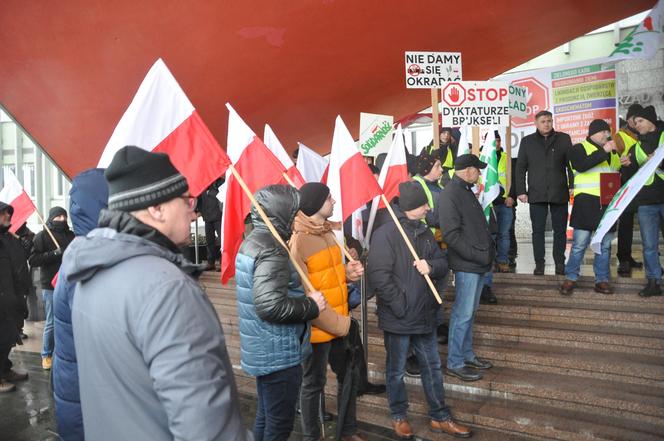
x,y
375,134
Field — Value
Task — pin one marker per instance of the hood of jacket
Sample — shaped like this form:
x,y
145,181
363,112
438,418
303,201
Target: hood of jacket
x,y
120,237
88,196
280,203
307,225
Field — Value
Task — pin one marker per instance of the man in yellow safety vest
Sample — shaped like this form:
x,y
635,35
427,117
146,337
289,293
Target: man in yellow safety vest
x,y
651,197
626,139
588,160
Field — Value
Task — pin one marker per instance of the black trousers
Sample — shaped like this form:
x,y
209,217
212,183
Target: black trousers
x,y
514,250
538,214
213,251
5,362
625,236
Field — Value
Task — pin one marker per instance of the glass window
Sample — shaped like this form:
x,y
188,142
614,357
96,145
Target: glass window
x,y
29,179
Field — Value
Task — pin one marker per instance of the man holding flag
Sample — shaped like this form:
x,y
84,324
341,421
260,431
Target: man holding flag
x,y
314,247
589,159
651,197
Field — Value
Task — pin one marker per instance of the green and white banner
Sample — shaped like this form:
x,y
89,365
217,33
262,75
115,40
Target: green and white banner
x,y
645,39
489,187
624,196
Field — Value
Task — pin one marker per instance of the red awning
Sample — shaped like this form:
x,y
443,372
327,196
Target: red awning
x,y
69,69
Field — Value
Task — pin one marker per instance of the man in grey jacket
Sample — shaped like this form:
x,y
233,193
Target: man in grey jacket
x,y
151,351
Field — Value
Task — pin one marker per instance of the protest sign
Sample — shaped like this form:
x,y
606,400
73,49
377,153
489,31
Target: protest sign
x,y
429,70
475,103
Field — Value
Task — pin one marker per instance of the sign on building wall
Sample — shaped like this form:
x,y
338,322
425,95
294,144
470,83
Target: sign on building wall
x,y
375,134
429,70
575,94
475,103
581,95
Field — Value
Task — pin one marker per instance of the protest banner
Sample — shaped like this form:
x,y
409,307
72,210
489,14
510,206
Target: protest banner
x,y
575,94
624,196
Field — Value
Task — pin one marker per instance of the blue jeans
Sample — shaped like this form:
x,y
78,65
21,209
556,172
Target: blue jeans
x,y
425,348
504,215
47,349
468,287
650,219
600,262
277,398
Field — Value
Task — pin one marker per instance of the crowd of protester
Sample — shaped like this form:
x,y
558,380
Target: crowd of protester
x,y
138,349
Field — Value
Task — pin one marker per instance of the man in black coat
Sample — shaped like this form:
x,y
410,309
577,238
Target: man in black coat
x,y
470,252
48,255
211,210
407,310
14,285
543,162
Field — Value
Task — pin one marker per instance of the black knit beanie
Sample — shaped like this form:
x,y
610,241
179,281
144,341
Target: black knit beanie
x,y
55,212
648,113
411,196
633,110
598,125
425,162
138,179
312,197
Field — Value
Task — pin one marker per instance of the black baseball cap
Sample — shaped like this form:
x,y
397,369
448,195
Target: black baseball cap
x,y
468,160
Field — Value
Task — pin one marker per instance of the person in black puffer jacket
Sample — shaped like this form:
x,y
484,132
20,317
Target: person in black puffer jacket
x,y
47,255
274,313
471,252
407,310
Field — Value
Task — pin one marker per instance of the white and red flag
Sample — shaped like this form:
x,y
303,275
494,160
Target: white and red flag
x,y
161,118
13,194
393,173
275,146
259,167
349,178
311,165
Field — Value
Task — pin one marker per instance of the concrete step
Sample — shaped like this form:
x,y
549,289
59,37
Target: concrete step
x,y
565,390
494,417
585,367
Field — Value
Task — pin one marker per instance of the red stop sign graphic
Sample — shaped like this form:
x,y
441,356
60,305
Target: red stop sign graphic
x,y
454,94
538,100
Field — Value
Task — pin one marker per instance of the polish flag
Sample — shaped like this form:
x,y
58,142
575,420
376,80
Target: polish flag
x,y
254,161
349,178
275,146
393,173
161,118
13,194
311,165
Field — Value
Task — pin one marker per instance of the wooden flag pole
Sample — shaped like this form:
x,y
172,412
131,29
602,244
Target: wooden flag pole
x,y
48,230
288,179
410,247
342,246
476,141
508,151
270,226
434,117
